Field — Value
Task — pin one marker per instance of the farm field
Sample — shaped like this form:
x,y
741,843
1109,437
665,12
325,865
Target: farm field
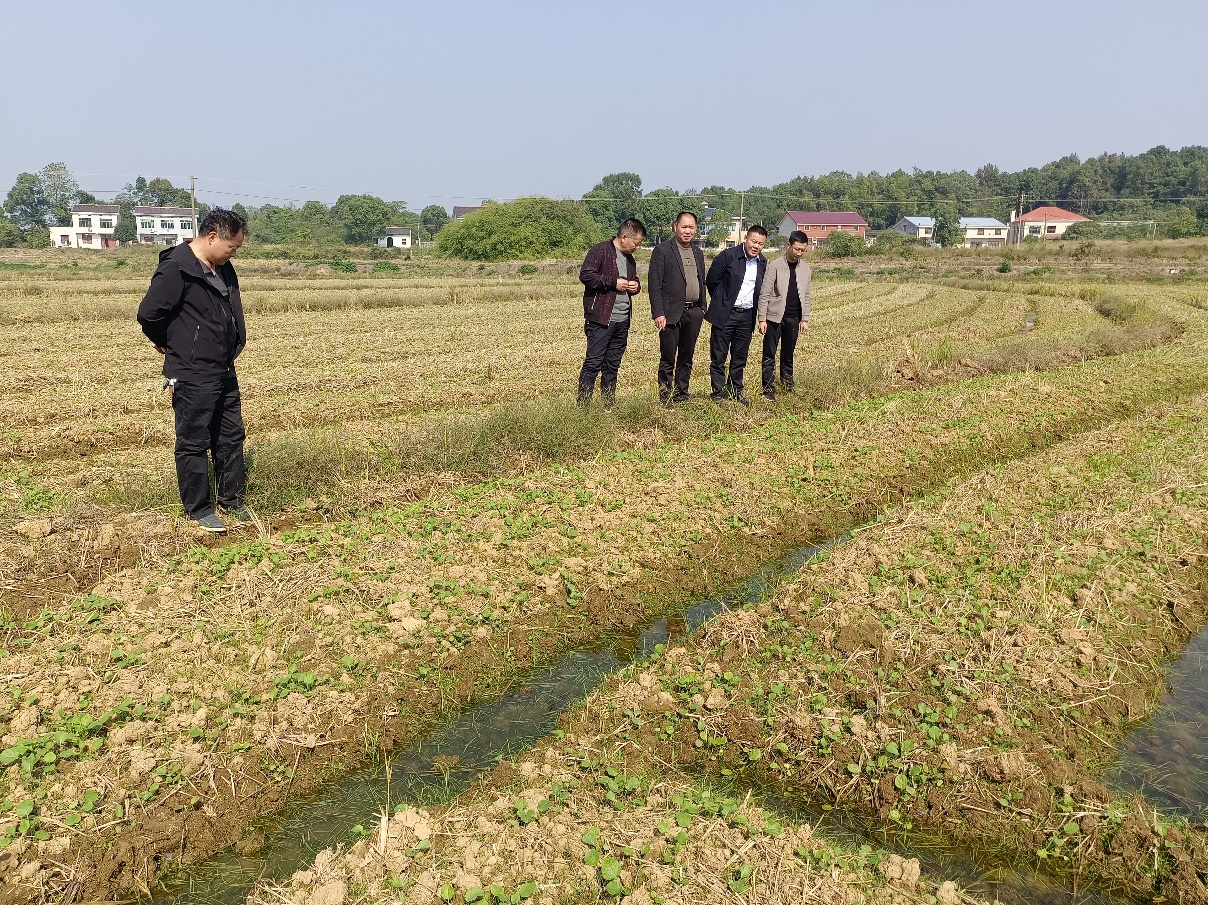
x,y
165,693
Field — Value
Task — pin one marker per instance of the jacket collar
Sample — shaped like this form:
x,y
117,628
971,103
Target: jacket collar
x,y
186,260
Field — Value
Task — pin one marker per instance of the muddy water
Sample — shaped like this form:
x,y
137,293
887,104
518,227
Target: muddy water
x,y
474,742
1166,758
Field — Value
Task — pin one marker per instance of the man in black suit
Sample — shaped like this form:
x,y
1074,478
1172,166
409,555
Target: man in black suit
x,y
734,280
676,284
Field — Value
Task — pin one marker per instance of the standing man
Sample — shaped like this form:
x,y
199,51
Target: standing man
x,y
784,312
193,315
610,281
735,279
677,305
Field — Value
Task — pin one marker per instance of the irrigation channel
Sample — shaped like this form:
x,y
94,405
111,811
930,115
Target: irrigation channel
x,y
481,736
1166,758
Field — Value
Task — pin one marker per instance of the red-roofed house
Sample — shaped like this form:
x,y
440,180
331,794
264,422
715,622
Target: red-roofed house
x,y
1043,223
817,224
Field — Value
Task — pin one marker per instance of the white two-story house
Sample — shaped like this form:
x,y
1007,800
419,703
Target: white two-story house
x,y
91,226
163,225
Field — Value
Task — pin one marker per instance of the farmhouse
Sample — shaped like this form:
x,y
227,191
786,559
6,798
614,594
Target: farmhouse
x,y
91,226
1043,223
818,224
163,225
460,211
976,232
394,237
916,227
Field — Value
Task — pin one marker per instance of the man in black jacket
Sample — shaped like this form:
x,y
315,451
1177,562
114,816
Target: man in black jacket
x,y
734,280
676,285
193,315
610,281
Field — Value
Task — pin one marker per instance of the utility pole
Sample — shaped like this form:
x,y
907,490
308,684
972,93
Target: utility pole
x,y
193,198
742,204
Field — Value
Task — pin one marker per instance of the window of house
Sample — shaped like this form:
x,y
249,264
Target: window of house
x,y
165,224
998,232
146,224
85,223
106,223
65,239
1033,230
186,224
981,232
1051,229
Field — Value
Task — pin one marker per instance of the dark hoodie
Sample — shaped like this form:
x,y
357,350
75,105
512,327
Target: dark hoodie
x,y
185,313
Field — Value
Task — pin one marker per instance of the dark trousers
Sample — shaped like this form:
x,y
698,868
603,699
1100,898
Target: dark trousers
x,y
783,334
209,421
732,341
605,349
677,344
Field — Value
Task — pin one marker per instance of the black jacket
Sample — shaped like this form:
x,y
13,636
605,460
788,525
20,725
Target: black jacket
x,y
599,277
725,279
202,331
666,282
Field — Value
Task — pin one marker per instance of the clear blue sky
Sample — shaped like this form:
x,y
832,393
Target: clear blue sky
x,y
440,102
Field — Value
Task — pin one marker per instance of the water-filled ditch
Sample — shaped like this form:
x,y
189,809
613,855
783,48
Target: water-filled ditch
x,y
473,742
1166,758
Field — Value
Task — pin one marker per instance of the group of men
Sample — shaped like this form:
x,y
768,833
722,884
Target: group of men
x,y
740,294
193,315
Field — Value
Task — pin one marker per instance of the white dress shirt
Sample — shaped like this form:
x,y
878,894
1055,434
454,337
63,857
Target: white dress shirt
x,y
746,293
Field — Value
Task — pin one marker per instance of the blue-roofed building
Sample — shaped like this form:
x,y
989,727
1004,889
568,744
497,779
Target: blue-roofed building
x,y
983,232
976,232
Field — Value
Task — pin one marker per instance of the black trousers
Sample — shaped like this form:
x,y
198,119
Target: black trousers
x,y
209,421
677,344
605,349
732,341
783,334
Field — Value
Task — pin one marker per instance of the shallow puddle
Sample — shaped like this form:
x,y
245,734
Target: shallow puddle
x,y
1166,758
473,743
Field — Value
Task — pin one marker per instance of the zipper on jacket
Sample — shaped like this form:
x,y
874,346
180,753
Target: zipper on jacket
x,y
193,348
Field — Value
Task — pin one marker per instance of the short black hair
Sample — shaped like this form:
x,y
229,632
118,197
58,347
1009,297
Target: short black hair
x,y
632,227
758,229
227,224
798,236
695,219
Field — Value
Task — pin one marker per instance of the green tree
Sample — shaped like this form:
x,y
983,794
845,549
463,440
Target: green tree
x,y
9,234
361,217
613,200
124,230
60,190
717,236
26,202
658,210
434,217
524,229
947,226
844,245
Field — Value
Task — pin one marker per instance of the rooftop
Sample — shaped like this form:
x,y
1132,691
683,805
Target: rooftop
x,y
460,211
1052,213
164,211
980,222
827,218
920,221
95,209
396,230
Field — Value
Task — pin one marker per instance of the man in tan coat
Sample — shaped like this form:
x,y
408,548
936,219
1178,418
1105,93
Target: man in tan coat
x,y
784,312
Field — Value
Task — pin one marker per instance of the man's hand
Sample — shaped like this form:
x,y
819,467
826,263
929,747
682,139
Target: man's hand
x,y
805,325
162,350
762,328
632,286
661,323
622,285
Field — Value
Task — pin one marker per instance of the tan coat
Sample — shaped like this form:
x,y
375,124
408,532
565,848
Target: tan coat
x,y
774,294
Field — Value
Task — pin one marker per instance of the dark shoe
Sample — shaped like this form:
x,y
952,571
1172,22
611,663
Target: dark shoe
x,y
208,521
680,397
742,400
239,514
769,397
717,400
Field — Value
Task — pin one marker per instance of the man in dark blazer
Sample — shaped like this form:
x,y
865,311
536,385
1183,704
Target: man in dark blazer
x,y
734,280
676,284
610,281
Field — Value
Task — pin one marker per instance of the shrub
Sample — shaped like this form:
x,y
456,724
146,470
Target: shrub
x,y
523,229
1005,266
528,269
844,245
1116,307
386,267
340,266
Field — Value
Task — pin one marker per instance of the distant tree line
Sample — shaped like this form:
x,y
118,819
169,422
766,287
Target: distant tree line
x,y
1170,187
